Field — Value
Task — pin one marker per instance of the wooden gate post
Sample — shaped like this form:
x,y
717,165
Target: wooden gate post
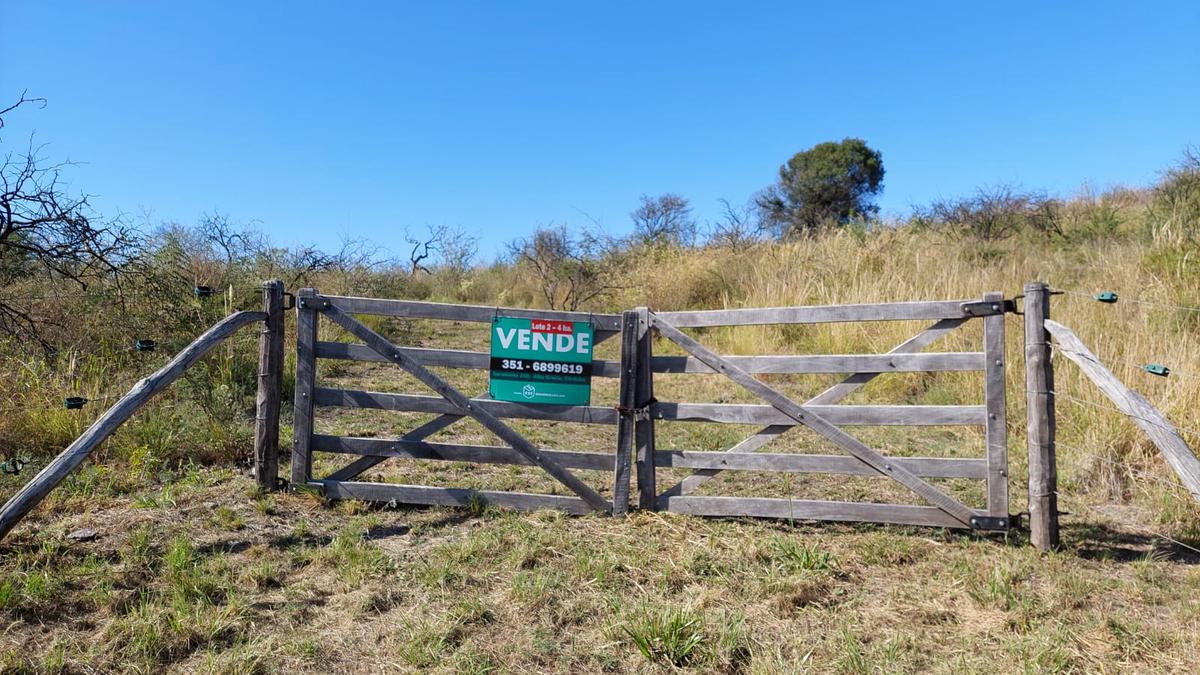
x,y
1039,407
644,425
627,404
270,377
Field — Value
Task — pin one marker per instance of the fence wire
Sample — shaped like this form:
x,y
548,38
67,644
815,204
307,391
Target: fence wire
x,y
1092,296
1128,525
1114,409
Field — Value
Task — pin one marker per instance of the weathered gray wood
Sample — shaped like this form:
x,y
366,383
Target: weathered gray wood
x,y
627,403
355,468
270,377
816,422
1040,422
841,415
413,309
49,477
996,427
468,407
455,452
916,343
832,363
440,496
933,467
306,377
894,311
830,396
446,358
355,398
644,426
749,444
1156,425
806,509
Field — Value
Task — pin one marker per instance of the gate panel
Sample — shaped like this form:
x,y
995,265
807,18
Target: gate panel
x,y
637,411
451,404
820,415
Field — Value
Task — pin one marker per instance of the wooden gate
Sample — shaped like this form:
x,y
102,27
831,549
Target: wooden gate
x,y
637,411
822,414
448,402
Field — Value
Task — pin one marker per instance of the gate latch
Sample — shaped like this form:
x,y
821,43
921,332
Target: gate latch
x,y
641,414
990,522
988,307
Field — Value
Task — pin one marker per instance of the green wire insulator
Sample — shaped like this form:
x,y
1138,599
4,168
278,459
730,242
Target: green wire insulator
x,y
74,402
1155,369
145,345
1107,297
204,291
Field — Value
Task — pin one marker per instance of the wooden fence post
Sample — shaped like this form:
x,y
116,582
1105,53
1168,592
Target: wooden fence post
x,y
1039,407
644,426
627,402
270,377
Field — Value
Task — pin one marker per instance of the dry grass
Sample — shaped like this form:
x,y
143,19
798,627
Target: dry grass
x,y
298,585
194,571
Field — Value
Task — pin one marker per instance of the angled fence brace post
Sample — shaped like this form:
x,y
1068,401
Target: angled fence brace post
x,y
270,377
49,477
1039,408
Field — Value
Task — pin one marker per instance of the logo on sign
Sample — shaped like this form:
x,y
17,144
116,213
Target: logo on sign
x,y
528,391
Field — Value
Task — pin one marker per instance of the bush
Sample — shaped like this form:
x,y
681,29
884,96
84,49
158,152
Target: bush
x,y
1174,211
992,214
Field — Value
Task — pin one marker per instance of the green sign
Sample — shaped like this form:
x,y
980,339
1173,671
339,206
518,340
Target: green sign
x,y
541,361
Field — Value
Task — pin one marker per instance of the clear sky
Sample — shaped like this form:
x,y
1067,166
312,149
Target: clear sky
x,y
318,120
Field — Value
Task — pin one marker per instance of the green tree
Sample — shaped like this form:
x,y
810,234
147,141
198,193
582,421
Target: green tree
x,y
829,183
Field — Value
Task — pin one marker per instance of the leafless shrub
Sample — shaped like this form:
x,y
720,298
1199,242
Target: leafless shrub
x,y
46,232
665,220
993,213
571,270
738,228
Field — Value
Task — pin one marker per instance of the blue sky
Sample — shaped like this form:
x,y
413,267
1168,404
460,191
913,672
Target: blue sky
x,y
322,120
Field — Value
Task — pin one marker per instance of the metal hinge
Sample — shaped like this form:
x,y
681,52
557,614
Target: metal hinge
x,y
991,522
988,307
314,303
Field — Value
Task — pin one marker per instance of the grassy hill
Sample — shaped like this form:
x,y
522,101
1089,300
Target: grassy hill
x,y
193,570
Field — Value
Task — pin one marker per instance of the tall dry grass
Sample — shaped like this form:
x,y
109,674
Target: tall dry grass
x,y
1140,244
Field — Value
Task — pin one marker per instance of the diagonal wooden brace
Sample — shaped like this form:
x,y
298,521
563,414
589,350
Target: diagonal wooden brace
x,y
815,422
358,466
393,353
830,396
